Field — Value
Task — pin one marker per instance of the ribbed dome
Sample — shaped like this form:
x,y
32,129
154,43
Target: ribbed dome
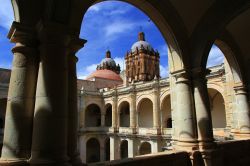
x,y
106,74
138,45
108,61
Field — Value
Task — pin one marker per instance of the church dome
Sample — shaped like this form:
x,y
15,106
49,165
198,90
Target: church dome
x,y
108,61
105,74
141,43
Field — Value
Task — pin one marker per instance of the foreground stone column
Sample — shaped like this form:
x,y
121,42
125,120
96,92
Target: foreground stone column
x,y
50,127
73,153
184,113
17,139
202,107
242,112
133,119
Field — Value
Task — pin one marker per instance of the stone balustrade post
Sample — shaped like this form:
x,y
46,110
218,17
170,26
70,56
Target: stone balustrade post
x,y
242,111
50,126
17,139
185,124
73,154
202,108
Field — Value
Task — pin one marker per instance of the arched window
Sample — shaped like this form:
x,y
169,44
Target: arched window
x,y
93,116
145,148
93,150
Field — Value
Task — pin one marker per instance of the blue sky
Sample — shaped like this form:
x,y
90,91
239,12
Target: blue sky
x,y
106,25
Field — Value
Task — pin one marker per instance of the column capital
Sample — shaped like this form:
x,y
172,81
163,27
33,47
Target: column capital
x,y
51,33
181,76
240,89
199,72
22,34
76,44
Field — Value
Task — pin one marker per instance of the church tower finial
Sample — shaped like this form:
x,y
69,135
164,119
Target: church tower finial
x,y
108,54
141,36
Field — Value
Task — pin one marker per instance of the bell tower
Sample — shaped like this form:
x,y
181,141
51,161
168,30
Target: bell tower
x,y
142,62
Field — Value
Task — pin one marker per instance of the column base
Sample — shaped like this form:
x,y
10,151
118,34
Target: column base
x,y
188,146
14,162
212,157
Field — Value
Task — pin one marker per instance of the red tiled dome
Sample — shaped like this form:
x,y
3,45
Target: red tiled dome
x,y
106,74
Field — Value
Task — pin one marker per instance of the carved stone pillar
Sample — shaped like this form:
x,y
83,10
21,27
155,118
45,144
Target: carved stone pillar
x,y
132,114
156,107
185,125
73,153
21,97
114,112
242,111
50,127
202,107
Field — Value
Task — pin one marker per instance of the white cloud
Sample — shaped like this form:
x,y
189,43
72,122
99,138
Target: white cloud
x,y
215,57
121,62
164,71
86,71
94,8
118,27
6,14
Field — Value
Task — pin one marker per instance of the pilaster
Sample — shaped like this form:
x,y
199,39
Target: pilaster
x,y
185,124
50,127
74,46
242,112
21,97
202,108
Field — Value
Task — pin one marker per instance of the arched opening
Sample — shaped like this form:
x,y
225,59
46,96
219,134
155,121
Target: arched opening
x,y
145,148
166,113
145,113
93,116
124,149
217,108
107,149
108,115
124,112
93,150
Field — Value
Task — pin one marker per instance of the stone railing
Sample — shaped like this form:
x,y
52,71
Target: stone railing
x,y
144,131
125,130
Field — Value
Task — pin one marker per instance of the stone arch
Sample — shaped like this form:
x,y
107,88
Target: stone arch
x,y
201,42
108,115
230,59
92,116
145,148
166,116
217,88
92,150
124,114
145,113
217,107
124,149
